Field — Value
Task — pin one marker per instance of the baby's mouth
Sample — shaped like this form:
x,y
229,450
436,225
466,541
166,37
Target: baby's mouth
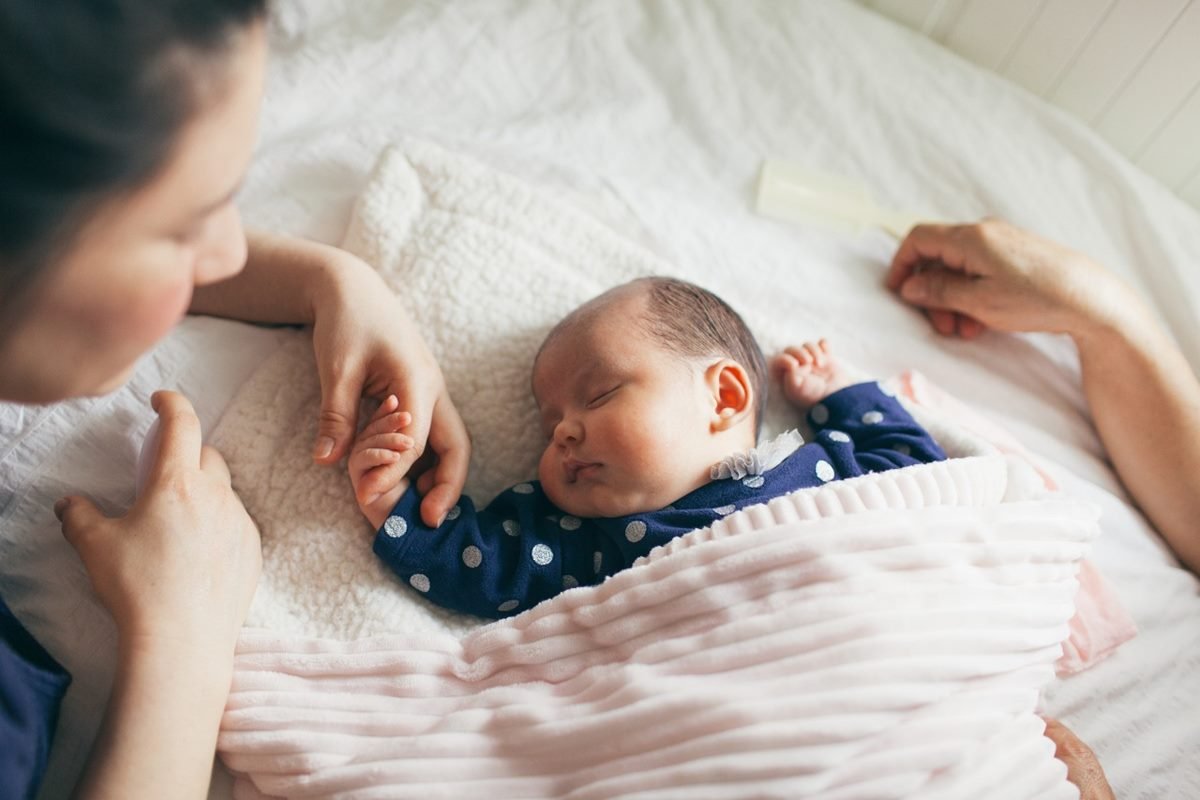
x,y
573,468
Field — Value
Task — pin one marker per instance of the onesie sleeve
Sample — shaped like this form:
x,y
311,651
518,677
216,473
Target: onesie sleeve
x,y
492,562
866,429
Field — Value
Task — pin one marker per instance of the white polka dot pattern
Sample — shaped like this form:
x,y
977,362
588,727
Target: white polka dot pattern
x,y
723,510
511,527
903,450
541,554
837,436
395,526
420,582
825,470
472,556
523,488
569,523
597,561
754,481
453,514
872,418
819,414
507,605
569,582
635,530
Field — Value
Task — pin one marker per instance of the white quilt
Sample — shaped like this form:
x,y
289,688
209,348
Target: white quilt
x,y
655,116
879,637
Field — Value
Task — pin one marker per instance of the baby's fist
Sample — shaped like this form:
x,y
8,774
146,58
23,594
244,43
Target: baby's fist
x,y
809,373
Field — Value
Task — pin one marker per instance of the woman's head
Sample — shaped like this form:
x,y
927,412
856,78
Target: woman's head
x,y
125,128
640,392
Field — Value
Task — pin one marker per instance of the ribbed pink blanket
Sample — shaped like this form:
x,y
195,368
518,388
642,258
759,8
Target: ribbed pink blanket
x,y
885,636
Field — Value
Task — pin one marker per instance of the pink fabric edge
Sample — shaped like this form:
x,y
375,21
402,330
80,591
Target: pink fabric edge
x,y
1101,624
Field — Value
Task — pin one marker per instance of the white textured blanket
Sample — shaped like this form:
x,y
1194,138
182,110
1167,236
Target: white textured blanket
x,y
880,637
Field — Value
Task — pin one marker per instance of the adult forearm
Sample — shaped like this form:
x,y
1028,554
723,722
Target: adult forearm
x,y
282,282
159,733
1145,402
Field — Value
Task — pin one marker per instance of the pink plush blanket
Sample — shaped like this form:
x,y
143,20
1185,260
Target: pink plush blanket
x,y
885,636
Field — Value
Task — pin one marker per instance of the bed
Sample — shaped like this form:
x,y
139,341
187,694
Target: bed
x,y
654,118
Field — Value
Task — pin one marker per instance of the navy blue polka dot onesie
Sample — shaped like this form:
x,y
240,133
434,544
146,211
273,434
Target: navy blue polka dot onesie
x,y
521,549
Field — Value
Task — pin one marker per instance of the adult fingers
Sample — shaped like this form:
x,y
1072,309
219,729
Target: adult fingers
x,y
942,320
924,243
179,439
78,515
450,442
340,393
941,289
969,327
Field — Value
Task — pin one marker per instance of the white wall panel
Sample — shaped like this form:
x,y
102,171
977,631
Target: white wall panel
x,y
1129,68
1155,92
990,31
1056,37
1191,192
1113,53
1173,154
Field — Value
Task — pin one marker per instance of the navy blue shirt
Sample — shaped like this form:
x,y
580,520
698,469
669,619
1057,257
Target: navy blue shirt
x,y
32,685
521,549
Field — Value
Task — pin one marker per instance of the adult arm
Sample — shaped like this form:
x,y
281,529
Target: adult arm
x,y
1144,397
365,344
177,573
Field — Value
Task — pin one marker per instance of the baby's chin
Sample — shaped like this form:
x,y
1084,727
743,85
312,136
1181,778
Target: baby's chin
x,y
596,501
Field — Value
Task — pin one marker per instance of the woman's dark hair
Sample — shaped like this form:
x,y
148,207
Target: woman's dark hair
x,y
93,94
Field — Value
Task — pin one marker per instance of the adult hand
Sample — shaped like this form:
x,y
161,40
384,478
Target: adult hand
x,y
366,344
991,274
1083,768
177,571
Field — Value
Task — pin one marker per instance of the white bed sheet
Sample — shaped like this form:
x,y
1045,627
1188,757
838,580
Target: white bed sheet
x,y
656,116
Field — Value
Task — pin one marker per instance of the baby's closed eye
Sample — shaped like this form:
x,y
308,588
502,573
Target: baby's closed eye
x,y
602,396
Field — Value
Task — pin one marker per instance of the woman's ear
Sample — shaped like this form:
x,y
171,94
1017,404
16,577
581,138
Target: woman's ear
x,y
732,394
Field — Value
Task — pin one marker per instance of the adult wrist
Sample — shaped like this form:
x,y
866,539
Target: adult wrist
x,y
203,669
337,275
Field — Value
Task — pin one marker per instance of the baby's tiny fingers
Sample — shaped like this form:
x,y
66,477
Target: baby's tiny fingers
x,y
389,404
782,364
399,442
393,422
799,353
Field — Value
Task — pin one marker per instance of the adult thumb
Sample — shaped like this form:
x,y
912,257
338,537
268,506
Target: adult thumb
x,y
339,416
939,288
78,516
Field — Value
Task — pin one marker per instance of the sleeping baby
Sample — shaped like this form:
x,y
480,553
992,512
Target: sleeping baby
x,y
651,396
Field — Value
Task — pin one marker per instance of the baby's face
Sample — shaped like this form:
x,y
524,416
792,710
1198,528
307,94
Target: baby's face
x,y
628,421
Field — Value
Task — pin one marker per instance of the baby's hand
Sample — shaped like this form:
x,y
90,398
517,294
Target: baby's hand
x,y
375,473
809,373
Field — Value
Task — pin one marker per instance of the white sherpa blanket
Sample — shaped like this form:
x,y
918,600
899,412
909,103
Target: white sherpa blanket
x,y
882,637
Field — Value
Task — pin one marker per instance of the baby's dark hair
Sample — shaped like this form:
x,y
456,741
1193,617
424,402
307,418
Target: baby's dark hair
x,y
689,321
694,322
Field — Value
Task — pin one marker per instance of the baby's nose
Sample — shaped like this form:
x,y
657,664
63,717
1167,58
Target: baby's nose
x,y
568,431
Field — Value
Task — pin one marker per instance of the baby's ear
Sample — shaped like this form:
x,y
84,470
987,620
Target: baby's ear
x,y
732,394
